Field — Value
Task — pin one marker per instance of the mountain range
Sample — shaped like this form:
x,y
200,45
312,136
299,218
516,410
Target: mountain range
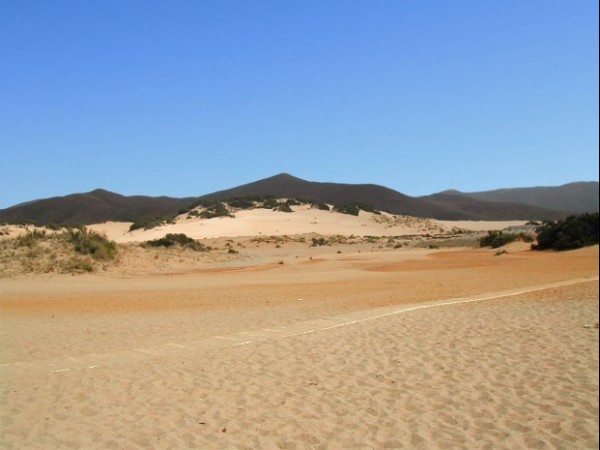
x,y
578,197
537,203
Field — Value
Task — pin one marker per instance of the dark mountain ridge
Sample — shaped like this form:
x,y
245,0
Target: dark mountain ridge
x,y
437,206
578,197
100,205
92,207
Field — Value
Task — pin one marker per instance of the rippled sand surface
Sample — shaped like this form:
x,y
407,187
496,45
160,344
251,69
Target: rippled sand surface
x,y
518,371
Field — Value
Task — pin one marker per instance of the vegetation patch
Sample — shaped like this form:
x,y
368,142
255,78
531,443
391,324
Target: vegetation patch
x,y
354,208
77,264
242,202
321,206
573,232
88,242
319,242
216,210
284,207
184,241
75,250
497,238
147,223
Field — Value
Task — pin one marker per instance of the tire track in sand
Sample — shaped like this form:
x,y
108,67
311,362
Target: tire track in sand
x,y
95,360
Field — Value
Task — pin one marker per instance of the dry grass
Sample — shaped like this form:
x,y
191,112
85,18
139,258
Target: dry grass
x,y
71,251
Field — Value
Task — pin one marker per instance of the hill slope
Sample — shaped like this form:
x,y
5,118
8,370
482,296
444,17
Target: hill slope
x,y
578,197
437,206
92,207
100,205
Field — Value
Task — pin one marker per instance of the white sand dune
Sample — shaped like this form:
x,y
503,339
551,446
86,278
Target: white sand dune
x,y
304,220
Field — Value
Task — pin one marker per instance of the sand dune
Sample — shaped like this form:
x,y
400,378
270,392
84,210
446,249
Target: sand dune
x,y
304,220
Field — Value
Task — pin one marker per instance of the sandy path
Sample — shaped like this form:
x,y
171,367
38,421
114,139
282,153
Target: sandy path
x,y
94,360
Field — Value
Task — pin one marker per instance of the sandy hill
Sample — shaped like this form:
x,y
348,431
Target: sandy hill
x,y
302,219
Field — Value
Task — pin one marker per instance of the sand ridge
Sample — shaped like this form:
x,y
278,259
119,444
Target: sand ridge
x,y
304,220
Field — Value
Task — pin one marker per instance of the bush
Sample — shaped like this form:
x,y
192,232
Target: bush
x,y
318,242
284,207
573,232
87,242
30,238
525,237
354,208
270,202
350,208
181,239
497,239
77,264
146,223
241,203
367,208
215,210
53,226
322,206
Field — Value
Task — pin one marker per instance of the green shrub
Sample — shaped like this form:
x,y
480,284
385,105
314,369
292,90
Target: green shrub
x,y
181,239
284,207
497,239
147,223
318,242
241,202
53,226
88,242
349,208
216,210
270,202
293,202
367,208
354,208
320,205
77,264
30,238
573,232
526,237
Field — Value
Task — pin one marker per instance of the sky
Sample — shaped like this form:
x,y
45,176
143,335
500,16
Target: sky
x,y
183,98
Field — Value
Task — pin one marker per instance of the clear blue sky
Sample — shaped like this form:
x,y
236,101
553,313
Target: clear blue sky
x,y
183,98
